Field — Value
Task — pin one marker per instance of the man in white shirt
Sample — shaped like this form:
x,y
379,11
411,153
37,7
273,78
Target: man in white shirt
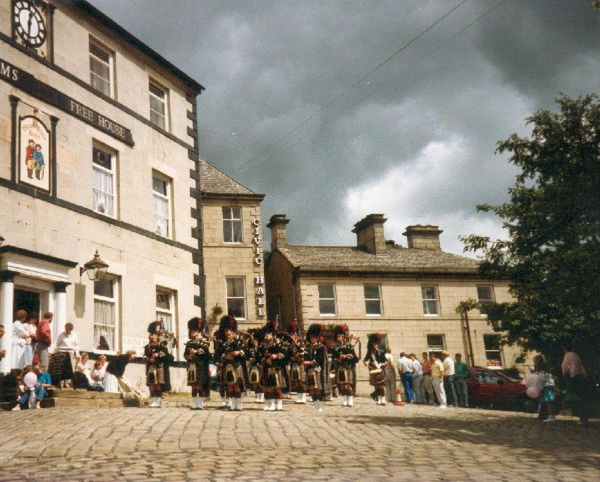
x,y
406,370
449,379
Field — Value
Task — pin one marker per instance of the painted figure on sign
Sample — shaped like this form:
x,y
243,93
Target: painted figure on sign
x,y
38,157
29,158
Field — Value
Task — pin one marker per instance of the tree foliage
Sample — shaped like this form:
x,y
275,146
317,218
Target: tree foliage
x,y
552,256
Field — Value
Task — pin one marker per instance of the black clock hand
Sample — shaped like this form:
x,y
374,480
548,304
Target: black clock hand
x,y
29,25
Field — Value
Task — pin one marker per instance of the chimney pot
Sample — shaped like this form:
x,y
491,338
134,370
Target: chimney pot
x,y
277,225
423,237
370,234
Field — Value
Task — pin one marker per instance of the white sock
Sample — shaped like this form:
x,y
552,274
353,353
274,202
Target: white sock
x,y
350,400
279,404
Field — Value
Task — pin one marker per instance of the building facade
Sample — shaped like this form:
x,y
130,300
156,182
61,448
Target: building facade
x,y
407,294
99,153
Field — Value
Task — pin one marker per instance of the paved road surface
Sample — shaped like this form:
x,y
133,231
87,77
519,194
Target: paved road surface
x,y
366,442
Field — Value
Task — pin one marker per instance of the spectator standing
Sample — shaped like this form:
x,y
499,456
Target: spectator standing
x,y
437,377
449,378
578,384
31,327
406,370
390,377
19,340
68,340
43,337
427,384
418,391
545,384
462,373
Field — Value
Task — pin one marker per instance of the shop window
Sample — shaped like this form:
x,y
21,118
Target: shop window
x,y
101,68
493,351
165,308
372,299
430,300
236,297
326,299
106,314
161,192
105,189
485,295
232,225
158,105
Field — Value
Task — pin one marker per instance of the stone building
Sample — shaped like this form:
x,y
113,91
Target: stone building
x,y
408,294
99,152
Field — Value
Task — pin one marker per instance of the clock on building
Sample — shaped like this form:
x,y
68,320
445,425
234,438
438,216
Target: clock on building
x,y
29,23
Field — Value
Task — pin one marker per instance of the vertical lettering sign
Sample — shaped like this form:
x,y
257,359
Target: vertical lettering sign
x,y
34,153
259,279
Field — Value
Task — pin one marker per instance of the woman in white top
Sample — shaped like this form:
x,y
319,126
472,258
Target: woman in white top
x,y
19,340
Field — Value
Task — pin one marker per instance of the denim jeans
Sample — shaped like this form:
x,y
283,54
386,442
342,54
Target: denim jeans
x,y
407,379
450,390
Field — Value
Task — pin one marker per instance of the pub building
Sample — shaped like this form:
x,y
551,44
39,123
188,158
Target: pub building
x,y
102,195
407,294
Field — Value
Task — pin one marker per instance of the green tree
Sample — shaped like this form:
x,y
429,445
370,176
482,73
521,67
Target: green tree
x,y
552,256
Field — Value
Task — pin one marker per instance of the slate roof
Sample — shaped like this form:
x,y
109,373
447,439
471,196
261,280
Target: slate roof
x,y
214,181
395,260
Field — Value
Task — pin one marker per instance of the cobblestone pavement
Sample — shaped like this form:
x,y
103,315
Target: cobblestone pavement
x,y
366,442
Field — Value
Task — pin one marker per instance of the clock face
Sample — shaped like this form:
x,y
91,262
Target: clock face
x,y
29,23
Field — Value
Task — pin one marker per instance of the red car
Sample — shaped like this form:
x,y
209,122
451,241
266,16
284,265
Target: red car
x,y
489,388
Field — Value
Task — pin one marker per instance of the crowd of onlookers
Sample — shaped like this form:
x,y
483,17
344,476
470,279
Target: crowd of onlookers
x,y
434,379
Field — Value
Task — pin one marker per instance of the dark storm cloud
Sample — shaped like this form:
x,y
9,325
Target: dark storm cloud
x,y
415,140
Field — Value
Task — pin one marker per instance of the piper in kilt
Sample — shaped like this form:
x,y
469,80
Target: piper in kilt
x,y
274,355
197,353
218,343
316,365
233,365
375,360
155,354
254,364
344,360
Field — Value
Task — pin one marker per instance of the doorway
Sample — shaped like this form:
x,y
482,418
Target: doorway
x,y
26,300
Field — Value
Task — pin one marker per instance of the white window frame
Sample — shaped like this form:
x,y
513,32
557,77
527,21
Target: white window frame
x,y
168,197
233,220
434,348
243,297
426,300
110,64
327,299
170,294
113,172
115,300
378,299
164,102
499,351
483,301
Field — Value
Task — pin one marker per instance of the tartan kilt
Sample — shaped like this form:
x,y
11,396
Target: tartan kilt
x,y
345,376
155,375
233,375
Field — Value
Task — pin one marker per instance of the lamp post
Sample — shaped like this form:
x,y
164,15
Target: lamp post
x,y
96,268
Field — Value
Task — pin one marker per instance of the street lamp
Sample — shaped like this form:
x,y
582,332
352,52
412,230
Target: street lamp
x,y
96,268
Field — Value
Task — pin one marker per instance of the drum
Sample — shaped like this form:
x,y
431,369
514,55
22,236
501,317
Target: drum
x,y
376,377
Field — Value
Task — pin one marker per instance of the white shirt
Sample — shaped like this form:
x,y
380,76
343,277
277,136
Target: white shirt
x,y
448,366
418,368
405,365
70,342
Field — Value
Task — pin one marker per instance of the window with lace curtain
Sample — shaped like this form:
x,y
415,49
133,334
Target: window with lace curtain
x,y
105,314
104,190
158,105
165,308
161,187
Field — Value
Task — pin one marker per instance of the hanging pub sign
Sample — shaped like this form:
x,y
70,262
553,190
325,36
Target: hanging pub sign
x,y
34,153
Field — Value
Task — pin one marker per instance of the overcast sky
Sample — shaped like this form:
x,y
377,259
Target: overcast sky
x,y
296,108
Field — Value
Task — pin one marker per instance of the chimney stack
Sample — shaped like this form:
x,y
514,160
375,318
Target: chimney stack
x,y
423,237
277,225
370,235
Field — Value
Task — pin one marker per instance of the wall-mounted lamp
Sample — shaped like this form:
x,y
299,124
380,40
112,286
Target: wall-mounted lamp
x,y
1,240
96,268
